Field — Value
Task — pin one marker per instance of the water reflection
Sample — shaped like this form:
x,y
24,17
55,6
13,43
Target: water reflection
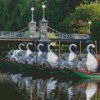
x,y
52,88
90,90
15,77
84,91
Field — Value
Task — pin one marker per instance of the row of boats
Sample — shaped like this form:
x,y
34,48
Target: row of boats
x,y
85,62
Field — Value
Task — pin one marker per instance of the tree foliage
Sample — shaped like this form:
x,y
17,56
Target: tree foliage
x,y
15,15
77,22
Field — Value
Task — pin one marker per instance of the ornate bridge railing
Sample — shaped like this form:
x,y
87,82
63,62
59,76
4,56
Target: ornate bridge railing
x,y
52,33
5,33
22,33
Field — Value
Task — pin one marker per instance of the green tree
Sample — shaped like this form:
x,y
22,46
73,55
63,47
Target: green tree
x,y
77,22
95,28
15,15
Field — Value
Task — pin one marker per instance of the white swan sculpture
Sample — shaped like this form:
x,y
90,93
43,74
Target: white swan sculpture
x,y
91,62
16,52
27,53
71,57
32,57
39,56
39,51
51,57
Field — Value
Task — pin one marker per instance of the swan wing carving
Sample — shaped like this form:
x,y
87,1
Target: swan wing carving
x,y
71,56
51,57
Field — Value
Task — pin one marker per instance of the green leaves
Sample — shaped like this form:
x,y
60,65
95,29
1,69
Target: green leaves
x,y
63,15
77,22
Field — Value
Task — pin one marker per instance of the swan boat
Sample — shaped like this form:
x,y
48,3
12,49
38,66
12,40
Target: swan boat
x,y
14,67
67,72
7,65
91,65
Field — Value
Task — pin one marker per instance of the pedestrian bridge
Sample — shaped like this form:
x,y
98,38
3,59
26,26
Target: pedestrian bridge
x,y
52,34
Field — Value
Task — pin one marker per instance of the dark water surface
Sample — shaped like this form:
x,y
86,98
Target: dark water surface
x,y
17,87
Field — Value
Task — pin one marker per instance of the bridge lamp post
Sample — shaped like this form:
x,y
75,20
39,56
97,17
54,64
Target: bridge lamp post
x,y
43,6
32,14
89,25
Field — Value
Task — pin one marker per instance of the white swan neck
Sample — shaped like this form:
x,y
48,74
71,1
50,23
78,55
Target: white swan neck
x,y
49,47
20,45
39,46
88,48
28,45
70,48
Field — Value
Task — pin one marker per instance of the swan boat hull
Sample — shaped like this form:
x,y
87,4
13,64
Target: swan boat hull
x,y
14,67
85,74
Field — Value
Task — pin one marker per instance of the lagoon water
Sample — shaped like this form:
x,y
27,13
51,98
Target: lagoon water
x,y
19,87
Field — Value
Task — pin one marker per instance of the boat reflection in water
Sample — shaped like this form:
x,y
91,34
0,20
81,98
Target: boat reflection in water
x,y
84,91
52,88
91,90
